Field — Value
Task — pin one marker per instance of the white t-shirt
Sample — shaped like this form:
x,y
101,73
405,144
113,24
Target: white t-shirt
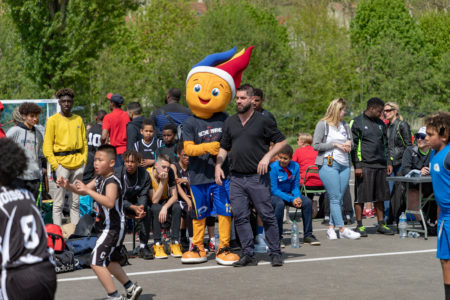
x,y
339,136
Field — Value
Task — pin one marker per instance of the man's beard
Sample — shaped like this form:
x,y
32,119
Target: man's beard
x,y
243,109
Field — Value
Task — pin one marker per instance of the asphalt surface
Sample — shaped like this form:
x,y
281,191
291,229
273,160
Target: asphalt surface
x,y
376,267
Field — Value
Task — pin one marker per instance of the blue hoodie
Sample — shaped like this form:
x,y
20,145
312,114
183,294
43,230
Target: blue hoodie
x,y
281,185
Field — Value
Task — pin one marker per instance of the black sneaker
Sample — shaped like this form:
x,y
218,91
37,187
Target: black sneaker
x,y
234,245
326,222
384,229
311,240
246,260
277,260
361,230
145,253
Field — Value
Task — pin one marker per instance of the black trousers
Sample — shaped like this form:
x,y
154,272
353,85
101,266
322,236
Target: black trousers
x,y
173,213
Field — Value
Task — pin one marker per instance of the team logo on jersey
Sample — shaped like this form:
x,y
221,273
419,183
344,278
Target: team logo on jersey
x,y
202,210
436,168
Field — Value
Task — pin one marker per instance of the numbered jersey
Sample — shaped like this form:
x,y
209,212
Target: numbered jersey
x,y
23,239
109,218
94,138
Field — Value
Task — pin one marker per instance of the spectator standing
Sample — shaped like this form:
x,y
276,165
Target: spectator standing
x,y
171,113
438,134
285,190
148,145
370,158
399,138
94,140
115,126
249,133
134,135
169,146
2,108
333,140
26,271
29,139
65,148
257,102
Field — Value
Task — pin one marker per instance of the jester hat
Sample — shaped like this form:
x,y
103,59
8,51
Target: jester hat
x,y
226,65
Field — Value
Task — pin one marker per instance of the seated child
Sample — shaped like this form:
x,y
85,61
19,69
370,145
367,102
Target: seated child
x,y
148,145
26,270
164,196
284,186
168,148
110,222
184,194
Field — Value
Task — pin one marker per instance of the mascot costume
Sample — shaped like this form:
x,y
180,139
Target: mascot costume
x,y
210,86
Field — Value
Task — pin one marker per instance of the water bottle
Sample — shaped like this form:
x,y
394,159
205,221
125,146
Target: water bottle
x,y
216,238
402,226
294,235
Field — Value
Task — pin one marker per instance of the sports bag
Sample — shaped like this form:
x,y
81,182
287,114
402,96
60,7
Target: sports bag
x,y
55,239
64,262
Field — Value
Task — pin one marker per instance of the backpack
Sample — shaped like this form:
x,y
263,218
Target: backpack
x,y
55,239
64,262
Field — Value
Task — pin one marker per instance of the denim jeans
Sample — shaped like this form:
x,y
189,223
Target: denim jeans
x,y
335,180
278,206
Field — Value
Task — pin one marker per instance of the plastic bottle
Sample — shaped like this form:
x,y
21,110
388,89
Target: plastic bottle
x,y
413,234
294,235
402,226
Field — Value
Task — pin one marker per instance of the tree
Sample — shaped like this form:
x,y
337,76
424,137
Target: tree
x,y
60,38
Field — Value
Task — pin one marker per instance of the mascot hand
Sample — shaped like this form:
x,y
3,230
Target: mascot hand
x,y
213,148
197,150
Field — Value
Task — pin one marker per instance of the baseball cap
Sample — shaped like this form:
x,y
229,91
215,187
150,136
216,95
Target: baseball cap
x,y
116,98
422,133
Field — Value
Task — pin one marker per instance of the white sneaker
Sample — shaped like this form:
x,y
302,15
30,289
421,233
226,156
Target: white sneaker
x,y
350,234
134,291
331,234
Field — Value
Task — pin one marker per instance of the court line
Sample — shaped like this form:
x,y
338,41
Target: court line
x,y
260,263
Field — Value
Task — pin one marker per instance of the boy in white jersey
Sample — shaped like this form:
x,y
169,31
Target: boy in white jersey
x,y
106,190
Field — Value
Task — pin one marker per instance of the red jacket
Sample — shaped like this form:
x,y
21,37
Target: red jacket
x,y
305,157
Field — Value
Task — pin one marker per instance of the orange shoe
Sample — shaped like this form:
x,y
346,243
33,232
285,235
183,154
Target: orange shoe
x,y
225,257
195,256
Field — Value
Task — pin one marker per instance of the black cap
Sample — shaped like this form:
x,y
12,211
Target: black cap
x,y
116,98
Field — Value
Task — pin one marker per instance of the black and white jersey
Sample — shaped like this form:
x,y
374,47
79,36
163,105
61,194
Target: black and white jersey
x,y
148,150
109,218
94,138
23,240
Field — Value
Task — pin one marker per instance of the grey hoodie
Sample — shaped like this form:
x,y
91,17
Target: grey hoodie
x,y
31,141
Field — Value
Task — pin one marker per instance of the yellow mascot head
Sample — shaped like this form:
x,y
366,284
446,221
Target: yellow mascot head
x,y
212,83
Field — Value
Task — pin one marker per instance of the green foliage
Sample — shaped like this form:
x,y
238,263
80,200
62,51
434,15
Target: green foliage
x,y
376,20
435,26
325,65
62,37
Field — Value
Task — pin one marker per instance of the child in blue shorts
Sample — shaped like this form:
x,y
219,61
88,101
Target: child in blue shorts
x,y
438,132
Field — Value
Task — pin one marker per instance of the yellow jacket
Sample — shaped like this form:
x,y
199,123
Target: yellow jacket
x,y
65,134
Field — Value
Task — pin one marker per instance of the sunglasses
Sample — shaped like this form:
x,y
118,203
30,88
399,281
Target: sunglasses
x,y
420,136
388,110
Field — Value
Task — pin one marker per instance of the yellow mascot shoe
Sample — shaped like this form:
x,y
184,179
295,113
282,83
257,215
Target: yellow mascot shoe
x,y
225,257
159,251
195,256
175,250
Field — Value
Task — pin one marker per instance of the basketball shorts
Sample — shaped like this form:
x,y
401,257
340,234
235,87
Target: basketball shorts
x,y
210,199
107,248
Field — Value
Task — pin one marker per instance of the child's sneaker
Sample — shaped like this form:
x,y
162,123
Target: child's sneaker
x,y
175,250
211,247
331,234
134,291
350,234
225,257
159,251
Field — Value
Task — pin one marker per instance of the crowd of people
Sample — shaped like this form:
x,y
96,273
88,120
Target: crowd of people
x,y
154,171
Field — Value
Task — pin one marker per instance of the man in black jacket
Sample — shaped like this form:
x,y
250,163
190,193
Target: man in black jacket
x,y
371,163
134,110
135,186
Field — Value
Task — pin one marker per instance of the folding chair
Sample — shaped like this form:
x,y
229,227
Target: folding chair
x,y
304,188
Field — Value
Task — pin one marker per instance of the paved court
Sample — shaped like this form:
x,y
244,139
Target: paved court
x,y
377,267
